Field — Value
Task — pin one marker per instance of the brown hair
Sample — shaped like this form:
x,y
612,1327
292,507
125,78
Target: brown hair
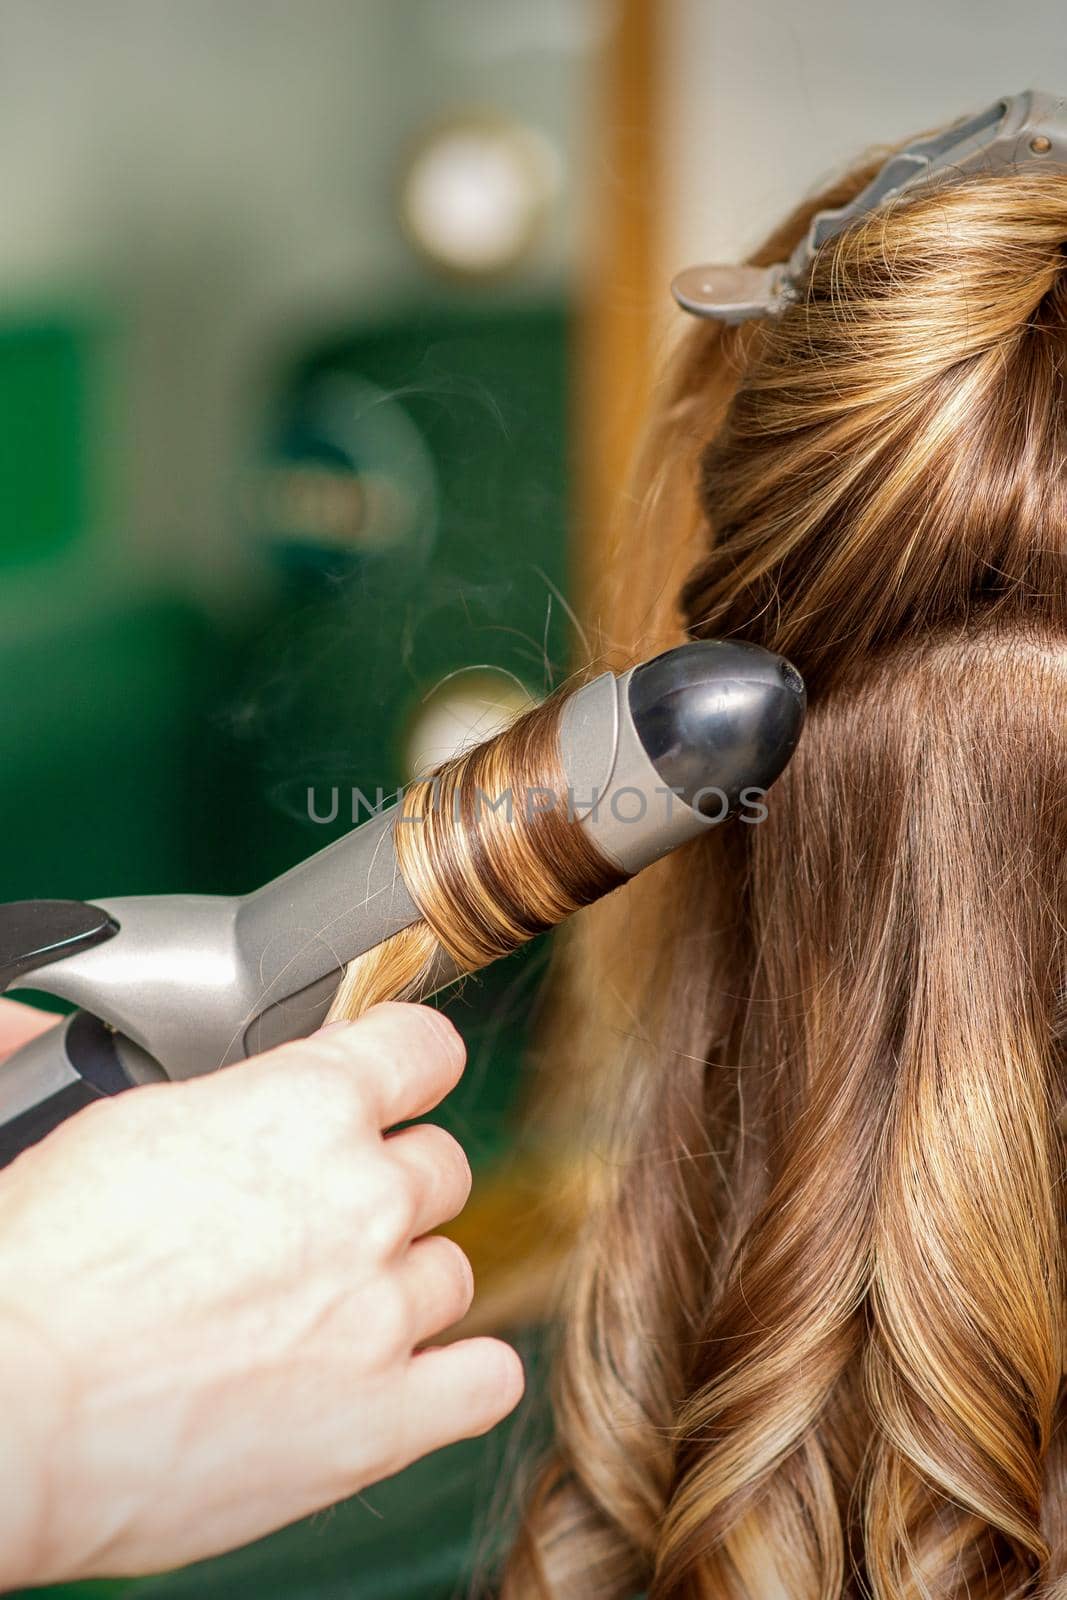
x,y
492,854
813,1342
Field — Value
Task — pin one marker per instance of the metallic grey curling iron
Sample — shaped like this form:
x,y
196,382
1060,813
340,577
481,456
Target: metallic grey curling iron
x,y
173,986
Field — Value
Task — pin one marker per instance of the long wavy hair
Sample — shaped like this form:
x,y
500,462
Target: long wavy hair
x,y
813,1342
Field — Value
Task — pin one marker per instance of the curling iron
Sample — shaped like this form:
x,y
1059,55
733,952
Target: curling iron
x,y
172,986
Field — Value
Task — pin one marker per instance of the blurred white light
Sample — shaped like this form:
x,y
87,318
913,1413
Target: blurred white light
x,y
476,192
366,483
467,708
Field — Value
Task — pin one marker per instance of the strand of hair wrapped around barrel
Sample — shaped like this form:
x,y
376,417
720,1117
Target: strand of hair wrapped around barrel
x,y
492,854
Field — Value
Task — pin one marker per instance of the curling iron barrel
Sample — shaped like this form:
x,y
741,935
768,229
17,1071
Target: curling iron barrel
x,y
173,986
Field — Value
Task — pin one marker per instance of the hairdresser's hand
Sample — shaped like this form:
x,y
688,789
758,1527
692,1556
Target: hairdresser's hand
x,y
211,1296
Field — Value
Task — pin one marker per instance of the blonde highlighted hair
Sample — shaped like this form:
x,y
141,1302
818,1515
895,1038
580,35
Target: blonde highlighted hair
x,y
813,1339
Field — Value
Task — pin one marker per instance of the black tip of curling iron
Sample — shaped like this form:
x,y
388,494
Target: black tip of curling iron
x,y
718,706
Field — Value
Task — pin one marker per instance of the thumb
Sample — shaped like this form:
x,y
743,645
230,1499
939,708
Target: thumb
x,y
19,1023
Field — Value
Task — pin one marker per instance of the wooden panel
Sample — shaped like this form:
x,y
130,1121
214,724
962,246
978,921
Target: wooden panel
x,y
623,295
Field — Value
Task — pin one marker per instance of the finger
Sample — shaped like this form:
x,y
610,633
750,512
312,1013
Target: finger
x,y
392,1065
19,1023
438,1284
458,1392
437,1172
407,1057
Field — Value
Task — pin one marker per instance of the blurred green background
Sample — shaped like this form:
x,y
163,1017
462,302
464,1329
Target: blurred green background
x,y
285,311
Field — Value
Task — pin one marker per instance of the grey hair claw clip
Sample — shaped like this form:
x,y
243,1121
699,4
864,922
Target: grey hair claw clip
x,y
1016,130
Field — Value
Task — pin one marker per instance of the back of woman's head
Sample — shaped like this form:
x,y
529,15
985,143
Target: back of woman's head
x,y
815,1339
893,456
